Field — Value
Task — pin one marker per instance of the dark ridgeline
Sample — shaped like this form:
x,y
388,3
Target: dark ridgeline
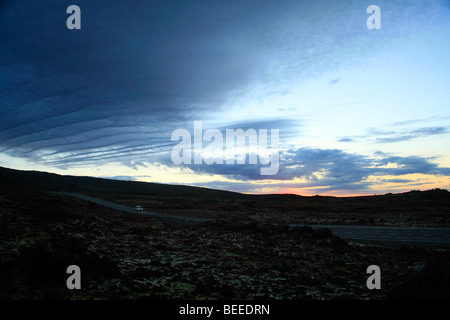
x,y
189,197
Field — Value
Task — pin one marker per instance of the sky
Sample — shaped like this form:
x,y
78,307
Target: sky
x,y
359,111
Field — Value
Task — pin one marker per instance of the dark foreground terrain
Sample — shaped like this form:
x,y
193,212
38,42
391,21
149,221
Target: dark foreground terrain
x,y
132,256
411,209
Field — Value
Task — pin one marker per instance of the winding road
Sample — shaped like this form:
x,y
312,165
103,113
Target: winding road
x,y
425,236
160,216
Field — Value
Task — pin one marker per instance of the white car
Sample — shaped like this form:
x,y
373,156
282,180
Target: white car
x,y
138,208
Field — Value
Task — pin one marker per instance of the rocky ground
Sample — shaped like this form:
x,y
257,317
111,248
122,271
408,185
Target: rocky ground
x,y
131,256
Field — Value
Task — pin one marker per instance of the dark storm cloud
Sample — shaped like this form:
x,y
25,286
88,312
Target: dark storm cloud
x,y
398,180
131,75
413,134
390,136
412,164
329,169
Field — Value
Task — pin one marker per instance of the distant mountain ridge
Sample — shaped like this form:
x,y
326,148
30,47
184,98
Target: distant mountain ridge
x,y
55,182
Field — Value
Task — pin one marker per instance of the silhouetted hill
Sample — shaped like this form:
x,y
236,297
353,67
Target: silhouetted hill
x,y
54,182
424,208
